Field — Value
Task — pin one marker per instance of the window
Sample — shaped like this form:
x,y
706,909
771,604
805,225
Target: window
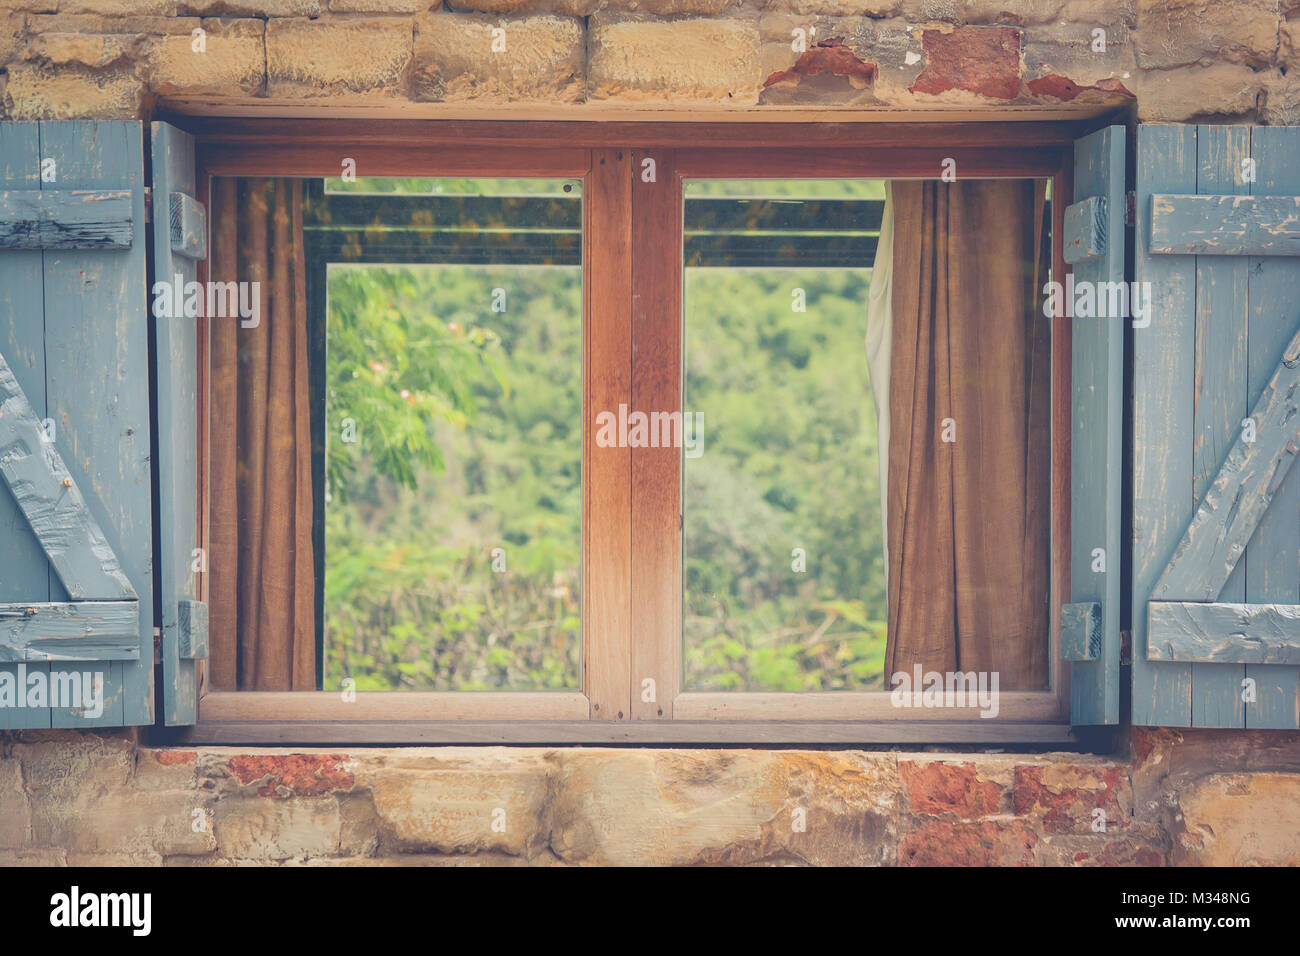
x,y
414,382
788,340
783,540
586,444
452,411
148,479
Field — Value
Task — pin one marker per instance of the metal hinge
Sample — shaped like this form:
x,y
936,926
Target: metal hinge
x,y
1125,646
1130,208
148,204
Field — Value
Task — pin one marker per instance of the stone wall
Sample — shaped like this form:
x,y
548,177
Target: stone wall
x,y
1178,60
1191,797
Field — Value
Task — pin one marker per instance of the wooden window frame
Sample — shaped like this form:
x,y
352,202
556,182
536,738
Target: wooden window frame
x,y
632,327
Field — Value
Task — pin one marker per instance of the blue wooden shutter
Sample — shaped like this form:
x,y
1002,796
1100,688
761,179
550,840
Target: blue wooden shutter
x,y
1094,247
1216,426
179,244
76,590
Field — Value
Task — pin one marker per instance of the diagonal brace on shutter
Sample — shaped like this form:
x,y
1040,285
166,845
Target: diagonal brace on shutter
x,y
52,503
1183,624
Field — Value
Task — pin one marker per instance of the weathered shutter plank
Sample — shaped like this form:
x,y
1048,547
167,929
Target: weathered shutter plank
x,y
97,374
1231,584
65,219
1236,500
1222,329
1272,559
184,619
70,631
48,495
1234,633
1225,224
24,570
1097,409
1163,428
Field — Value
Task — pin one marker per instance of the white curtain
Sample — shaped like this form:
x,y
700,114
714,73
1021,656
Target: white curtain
x,y
879,335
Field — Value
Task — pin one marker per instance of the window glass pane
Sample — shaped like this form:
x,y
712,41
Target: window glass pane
x,y
783,552
396,396
788,501
453,410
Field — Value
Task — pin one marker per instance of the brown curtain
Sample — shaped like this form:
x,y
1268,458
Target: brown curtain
x,y
261,563
968,519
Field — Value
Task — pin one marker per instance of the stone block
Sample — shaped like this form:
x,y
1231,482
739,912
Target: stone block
x,y
310,58
254,829
164,769
690,60
15,816
1181,32
1223,92
967,790
1239,819
948,842
1065,796
469,56
230,60
666,808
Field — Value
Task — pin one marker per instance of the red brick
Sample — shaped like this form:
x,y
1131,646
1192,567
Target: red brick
x,y
171,757
938,788
983,60
828,56
987,843
1147,740
285,775
1063,88
1065,801
1139,846
1128,853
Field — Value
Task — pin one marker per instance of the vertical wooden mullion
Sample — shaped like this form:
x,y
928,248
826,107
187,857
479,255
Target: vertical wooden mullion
x,y
656,472
1220,405
202,372
607,472
317,361
1058,674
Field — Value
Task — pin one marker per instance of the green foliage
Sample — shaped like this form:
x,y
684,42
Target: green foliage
x,y
469,440
395,371
790,461
411,599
